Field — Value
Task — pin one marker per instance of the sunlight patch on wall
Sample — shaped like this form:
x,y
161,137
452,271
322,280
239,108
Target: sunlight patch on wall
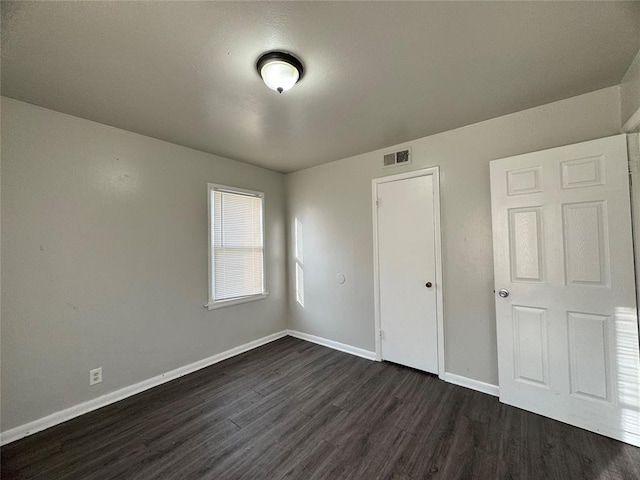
x,y
299,262
628,373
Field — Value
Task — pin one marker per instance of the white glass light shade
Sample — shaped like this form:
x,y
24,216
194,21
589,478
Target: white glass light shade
x,y
279,75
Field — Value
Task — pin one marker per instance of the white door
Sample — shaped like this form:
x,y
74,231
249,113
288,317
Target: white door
x,y
406,251
568,329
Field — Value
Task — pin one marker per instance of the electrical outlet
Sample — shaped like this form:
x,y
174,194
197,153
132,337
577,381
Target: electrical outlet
x,y
95,376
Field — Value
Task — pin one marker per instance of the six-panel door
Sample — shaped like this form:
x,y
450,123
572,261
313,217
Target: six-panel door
x,y
568,331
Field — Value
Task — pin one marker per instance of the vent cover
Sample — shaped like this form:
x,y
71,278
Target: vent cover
x,y
401,157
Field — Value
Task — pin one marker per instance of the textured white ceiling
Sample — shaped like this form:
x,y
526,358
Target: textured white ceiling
x,y
377,73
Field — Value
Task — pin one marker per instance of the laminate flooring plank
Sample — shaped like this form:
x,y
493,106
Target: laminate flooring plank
x,y
252,439
296,410
600,453
319,456
176,462
368,444
529,440
555,450
120,463
302,377
377,415
313,395
338,387
473,459
267,405
111,423
284,353
620,460
319,426
386,460
33,450
251,442
419,403
300,444
510,451
333,374
163,435
363,380
152,423
577,450
430,456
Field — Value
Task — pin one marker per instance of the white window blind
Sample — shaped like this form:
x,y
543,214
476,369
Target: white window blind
x,y
237,245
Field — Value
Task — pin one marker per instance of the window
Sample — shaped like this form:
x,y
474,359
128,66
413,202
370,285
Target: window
x,y
299,262
236,246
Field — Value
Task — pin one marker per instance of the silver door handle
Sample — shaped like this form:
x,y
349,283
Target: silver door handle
x,y
503,292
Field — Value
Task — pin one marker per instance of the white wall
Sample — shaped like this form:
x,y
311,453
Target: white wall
x,y
104,259
630,95
333,202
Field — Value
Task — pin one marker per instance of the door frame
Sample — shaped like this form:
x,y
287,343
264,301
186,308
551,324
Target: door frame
x,y
435,173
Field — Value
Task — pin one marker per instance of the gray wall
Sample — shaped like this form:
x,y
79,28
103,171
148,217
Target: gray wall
x,y
630,90
104,248
333,202
104,259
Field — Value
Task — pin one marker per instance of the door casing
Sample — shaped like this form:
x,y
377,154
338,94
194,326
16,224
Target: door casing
x,y
435,173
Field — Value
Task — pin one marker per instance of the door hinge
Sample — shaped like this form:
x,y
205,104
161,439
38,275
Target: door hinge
x,y
377,202
381,334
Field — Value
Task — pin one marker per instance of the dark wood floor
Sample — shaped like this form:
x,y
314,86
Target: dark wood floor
x,y
292,409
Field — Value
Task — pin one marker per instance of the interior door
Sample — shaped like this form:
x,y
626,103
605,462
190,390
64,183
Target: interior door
x,y
406,269
565,290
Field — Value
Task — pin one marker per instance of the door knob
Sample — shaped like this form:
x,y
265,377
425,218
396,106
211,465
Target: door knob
x,y
503,292
428,284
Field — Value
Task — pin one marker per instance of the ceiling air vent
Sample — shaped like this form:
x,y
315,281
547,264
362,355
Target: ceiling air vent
x,y
401,157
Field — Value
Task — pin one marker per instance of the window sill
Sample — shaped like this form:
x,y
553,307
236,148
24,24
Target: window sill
x,y
235,301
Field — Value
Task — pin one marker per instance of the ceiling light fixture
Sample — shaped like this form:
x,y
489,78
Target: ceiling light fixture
x,y
279,70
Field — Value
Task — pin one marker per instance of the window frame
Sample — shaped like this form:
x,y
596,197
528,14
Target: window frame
x,y
212,303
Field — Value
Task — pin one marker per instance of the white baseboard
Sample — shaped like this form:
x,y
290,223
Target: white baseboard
x,y
86,407
472,384
104,400
369,355
325,342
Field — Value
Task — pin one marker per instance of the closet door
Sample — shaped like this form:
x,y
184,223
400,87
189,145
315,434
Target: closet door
x,y
407,272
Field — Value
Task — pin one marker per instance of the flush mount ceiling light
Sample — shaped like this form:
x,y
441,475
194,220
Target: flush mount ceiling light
x,y
279,70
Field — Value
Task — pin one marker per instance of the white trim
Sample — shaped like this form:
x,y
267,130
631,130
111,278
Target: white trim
x,y
435,171
236,301
448,377
325,342
212,303
86,407
376,273
64,415
235,190
633,124
476,385
633,155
